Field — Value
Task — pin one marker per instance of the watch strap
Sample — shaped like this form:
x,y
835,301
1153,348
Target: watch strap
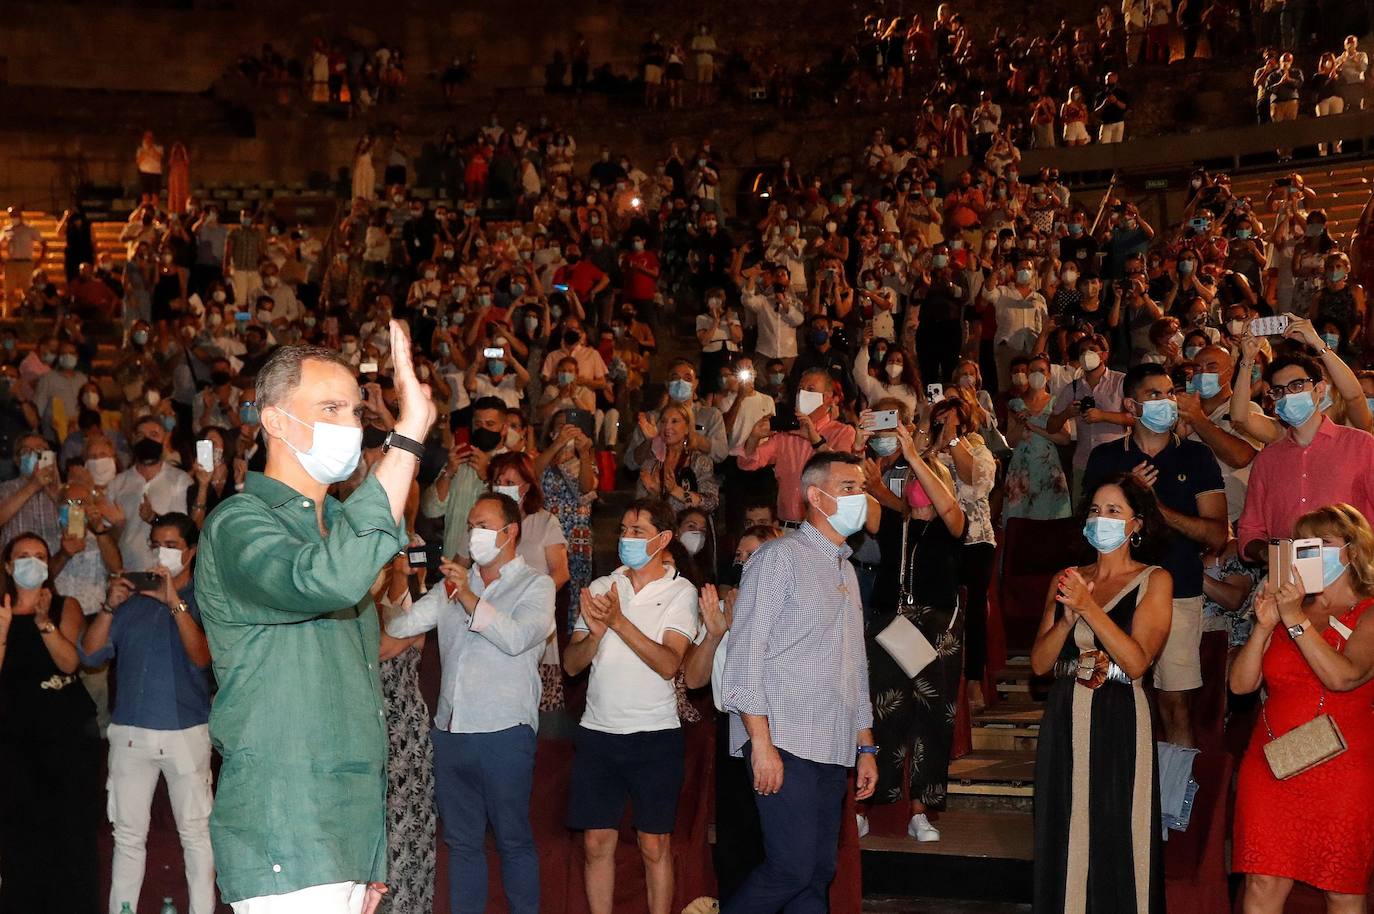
x,y
404,443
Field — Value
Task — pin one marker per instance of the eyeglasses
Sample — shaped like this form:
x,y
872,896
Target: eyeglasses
x,y
1295,386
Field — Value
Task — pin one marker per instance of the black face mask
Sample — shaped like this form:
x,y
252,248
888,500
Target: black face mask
x,y
219,378
484,439
730,577
146,450
571,338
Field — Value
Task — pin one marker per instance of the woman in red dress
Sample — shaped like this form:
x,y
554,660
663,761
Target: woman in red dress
x,y
1318,826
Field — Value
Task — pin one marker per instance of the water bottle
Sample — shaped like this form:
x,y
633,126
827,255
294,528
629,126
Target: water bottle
x,y
126,908
168,907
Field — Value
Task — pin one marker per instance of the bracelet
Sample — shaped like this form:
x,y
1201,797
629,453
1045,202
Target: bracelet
x,y
867,750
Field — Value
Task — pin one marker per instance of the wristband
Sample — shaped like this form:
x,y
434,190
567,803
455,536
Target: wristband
x,y
404,443
868,750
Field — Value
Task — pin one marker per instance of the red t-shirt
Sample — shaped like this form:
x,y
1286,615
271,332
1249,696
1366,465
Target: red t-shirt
x,y
580,277
640,286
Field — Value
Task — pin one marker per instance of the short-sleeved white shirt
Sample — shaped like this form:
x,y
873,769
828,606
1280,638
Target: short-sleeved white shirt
x,y
624,695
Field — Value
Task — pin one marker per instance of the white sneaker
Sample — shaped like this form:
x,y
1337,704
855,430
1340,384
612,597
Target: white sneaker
x,y
863,824
920,828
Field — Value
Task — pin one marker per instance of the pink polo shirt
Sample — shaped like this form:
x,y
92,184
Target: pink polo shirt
x,y
1288,480
787,453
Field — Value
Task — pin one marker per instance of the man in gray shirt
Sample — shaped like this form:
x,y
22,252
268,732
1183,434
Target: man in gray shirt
x,y
493,621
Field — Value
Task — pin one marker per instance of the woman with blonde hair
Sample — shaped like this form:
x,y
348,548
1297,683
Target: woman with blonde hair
x,y
1314,657
682,477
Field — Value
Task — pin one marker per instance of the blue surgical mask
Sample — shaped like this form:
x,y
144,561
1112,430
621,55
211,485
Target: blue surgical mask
x,y
1105,534
1332,566
939,261
1075,228
248,414
1243,234
496,368
140,337
1024,277
1190,352
634,552
1185,267
819,337
1336,275
1295,409
680,390
1159,415
884,445
169,422
565,378
850,513
30,572
1332,340
777,378
28,463
1206,383
1370,401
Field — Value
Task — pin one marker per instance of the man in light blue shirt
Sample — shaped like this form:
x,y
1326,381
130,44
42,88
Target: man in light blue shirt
x,y
494,620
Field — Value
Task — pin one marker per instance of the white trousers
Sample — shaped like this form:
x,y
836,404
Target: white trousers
x,y
335,898
1111,133
138,757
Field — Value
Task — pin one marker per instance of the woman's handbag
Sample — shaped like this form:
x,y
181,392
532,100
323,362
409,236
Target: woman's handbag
x,y
903,641
1305,746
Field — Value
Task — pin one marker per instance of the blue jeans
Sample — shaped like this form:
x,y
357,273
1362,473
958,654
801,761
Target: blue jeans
x,y
482,778
801,839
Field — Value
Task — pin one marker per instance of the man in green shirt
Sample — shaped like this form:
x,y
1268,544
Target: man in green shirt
x,y
282,581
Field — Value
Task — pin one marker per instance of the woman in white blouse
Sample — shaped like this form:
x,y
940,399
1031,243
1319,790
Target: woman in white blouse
x,y
956,443
897,377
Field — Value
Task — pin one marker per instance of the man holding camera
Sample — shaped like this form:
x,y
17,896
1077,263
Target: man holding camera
x,y
159,727
1093,401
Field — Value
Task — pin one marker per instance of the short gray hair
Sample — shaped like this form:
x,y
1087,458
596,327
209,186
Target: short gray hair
x,y
817,470
280,377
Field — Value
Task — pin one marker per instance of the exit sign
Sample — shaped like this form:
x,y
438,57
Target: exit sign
x,y
1156,183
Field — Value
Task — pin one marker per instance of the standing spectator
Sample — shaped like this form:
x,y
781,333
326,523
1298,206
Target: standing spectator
x,y
22,247
1284,87
1326,89
1113,616
633,630
243,254
1110,107
178,179
1092,400
800,710
1074,116
704,50
640,269
493,619
1020,311
28,503
1316,462
159,727
1311,657
1187,484
148,159
75,226
49,760
1352,69
1134,13
146,490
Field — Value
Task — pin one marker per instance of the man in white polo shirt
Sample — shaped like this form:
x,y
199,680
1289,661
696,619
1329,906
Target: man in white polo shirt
x,y
634,629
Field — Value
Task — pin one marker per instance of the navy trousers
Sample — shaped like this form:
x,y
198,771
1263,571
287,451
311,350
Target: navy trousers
x,y
801,839
481,779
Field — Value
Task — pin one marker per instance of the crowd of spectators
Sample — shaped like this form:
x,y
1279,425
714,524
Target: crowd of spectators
x,y
885,369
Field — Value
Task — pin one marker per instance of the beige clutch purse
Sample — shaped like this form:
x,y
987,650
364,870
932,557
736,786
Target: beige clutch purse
x,y
1303,748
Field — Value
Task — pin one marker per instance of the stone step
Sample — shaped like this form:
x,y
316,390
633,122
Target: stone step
x,y
1003,835
994,772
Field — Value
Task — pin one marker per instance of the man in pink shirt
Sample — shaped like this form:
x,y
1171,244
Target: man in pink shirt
x,y
1316,463
591,368
787,452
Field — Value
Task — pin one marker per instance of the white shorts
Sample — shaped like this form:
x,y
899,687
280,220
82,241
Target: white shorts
x,y
653,74
1075,130
334,898
1179,666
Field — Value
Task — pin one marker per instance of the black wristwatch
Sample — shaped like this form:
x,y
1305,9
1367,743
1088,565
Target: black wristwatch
x,y
404,443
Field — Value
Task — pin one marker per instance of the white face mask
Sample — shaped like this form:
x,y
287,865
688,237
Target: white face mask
x,y
692,541
483,545
334,452
170,559
102,469
513,492
808,401
1036,380
1091,360
894,370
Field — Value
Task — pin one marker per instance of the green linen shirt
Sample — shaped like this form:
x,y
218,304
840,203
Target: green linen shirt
x,y
298,718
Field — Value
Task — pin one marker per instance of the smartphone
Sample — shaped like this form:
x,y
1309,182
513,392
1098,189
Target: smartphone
x,y
243,317
935,392
879,420
744,375
205,454
143,580
1273,325
76,521
425,555
368,368
1299,559
560,287
47,459
493,352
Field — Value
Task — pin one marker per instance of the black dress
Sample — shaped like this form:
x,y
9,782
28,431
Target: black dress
x,y
913,718
1097,832
50,803
166,291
